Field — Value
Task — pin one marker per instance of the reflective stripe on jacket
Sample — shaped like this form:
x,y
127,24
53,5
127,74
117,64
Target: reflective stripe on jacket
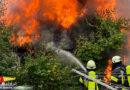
x,y
113,78
91,85
128,74
118,76
81,80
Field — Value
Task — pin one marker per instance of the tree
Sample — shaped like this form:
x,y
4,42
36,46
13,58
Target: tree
x,y
7,58
40,69
103,34
43,71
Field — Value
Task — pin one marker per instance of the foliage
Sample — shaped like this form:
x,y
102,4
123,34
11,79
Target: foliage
x,y
103,35
40,69
6,55
45,73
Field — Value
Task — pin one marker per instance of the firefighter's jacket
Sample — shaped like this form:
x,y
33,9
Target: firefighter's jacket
x,y
119,76
89,85
128,74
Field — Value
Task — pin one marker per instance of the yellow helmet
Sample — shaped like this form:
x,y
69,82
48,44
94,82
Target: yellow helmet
x,y
91,64
116,59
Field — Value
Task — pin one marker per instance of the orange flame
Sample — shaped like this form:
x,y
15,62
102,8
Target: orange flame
x,y
124,61
64,11
26,24
25,15
28,15
108,71
103,5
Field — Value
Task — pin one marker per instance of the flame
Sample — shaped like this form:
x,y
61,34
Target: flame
x,y
30,50
122,30
29,15
108,71
103,5
63,11
124,61
26,24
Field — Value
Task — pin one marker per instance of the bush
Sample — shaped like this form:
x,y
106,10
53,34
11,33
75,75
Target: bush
x,y
103,35
45,73
39,69
6,56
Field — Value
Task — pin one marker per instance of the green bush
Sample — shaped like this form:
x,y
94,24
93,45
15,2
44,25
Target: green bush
x,y
103,34
6,56
44,72
39,69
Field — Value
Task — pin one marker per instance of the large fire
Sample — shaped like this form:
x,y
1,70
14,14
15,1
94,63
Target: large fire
x,y
106,5
63,11
108,71
28,16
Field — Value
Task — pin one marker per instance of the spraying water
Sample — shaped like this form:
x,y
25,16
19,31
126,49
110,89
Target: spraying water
x,y
70,56
63,53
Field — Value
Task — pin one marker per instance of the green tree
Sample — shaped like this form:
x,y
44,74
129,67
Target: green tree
x,y
40,69
43,71
6,56
103,34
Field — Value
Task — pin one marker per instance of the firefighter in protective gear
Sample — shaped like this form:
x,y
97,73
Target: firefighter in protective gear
x,y
87,84
118,72
128,74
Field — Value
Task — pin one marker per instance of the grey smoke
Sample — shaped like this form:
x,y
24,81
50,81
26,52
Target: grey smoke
x,y
52,31
65,55
123,8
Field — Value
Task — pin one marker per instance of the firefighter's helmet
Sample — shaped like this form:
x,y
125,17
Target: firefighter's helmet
x,y
91,64
116,59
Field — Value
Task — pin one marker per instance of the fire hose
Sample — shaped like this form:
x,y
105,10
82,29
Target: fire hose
x,y
67,54
95,80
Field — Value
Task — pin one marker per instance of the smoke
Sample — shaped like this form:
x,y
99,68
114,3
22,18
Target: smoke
x,y
38,21
64,54
60,21
41,20
123,9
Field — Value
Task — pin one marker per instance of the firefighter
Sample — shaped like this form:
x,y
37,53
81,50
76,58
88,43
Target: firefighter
x,y
118,72
128,74
87,84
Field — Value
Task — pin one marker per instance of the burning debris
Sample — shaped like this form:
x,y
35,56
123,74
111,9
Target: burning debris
x,y
108,72
33,19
